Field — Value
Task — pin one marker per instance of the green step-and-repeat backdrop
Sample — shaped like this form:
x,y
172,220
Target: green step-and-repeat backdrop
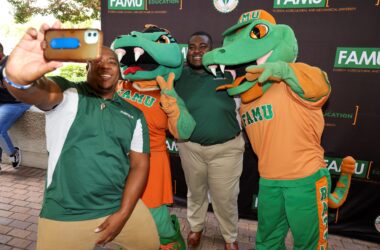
x,y
340,36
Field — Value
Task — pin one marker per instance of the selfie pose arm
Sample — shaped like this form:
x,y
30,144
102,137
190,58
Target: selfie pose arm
x,y
134,187
26,65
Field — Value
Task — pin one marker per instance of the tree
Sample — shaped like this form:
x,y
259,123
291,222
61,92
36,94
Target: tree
x,y
75,72
74,11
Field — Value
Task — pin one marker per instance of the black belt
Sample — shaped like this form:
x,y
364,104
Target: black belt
x,y
229,139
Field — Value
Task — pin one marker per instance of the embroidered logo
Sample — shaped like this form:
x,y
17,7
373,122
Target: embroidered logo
x,y
146,100
257,114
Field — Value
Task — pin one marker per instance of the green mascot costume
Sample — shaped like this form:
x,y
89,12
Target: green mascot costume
x,y
282,115
150,61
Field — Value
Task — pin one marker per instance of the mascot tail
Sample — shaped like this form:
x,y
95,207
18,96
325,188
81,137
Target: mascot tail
x,y
338,197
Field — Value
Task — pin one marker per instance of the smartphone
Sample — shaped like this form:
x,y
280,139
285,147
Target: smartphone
x,y
77,45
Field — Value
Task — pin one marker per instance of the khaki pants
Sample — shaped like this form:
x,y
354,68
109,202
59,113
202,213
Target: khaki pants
x,y
215,169
138,233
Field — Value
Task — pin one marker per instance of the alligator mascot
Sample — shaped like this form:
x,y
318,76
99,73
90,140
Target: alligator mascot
x,y
150,61
281,113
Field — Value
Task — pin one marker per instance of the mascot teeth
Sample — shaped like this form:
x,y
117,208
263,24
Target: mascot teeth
x,y
138,52
213,69
120,53
221,66
264,58
233,73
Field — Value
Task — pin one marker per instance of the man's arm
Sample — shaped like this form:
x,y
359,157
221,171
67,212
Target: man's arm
x,y
136,182
26,65
134,187
44,94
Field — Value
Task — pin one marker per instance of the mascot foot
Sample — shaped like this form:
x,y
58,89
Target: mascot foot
x,y
175,242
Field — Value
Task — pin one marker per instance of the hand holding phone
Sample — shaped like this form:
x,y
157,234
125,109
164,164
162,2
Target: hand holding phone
x,y
77,45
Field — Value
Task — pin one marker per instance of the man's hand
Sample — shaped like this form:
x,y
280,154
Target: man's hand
x,y
26,63
110,228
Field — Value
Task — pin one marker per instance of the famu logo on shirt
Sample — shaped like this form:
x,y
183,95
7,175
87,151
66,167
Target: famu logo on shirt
x,y
126,4
287,4
257,114
146,100
359,58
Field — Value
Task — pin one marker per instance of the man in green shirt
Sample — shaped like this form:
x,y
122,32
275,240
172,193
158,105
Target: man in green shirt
x,y
212,159
98,152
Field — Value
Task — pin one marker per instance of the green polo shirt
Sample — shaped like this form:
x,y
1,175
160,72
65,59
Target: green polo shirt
x,y
215,112
88,139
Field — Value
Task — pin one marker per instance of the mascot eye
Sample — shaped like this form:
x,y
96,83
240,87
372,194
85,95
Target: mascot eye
x,y
259,31
163,39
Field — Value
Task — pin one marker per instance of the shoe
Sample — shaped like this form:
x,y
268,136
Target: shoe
x,y
194,238
232,246
175,242
16,158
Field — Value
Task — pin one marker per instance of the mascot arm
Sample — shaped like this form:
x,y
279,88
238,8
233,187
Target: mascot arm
x,y
181,124
338,197
310,83
312,80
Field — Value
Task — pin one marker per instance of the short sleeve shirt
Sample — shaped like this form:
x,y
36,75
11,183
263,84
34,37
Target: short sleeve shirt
x,y
88,140
215,112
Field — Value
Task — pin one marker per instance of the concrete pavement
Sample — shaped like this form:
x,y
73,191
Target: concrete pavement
x,y
21,194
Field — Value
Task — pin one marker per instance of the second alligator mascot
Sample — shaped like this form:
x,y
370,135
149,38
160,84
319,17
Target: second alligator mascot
x,y
282,115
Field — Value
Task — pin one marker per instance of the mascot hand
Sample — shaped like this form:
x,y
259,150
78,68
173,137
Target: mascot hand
x,y
181,124
275,71
166,86
168,95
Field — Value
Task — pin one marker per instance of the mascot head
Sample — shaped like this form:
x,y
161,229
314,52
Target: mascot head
x,y
255,39
145,55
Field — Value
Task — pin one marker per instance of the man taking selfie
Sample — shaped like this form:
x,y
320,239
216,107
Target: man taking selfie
x,y
98,152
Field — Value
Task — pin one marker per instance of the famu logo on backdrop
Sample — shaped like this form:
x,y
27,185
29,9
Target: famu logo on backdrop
x,y
361,167
140,5
358,58
293,4
225,6
126,4
347,116
171,145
